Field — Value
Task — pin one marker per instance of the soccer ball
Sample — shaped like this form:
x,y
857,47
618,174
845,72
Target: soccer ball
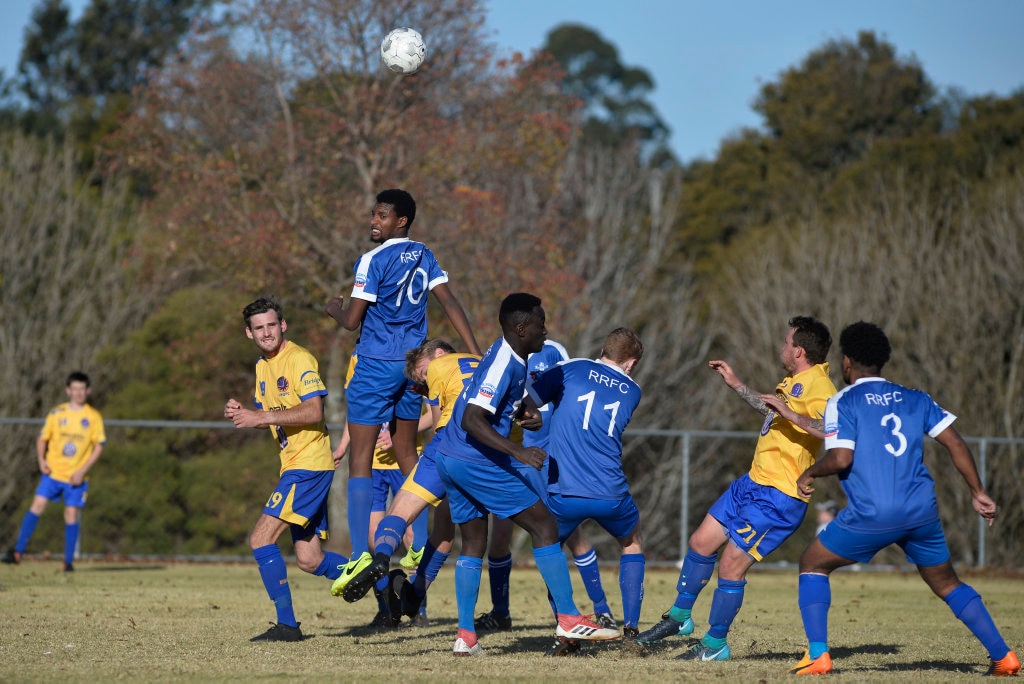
x,y
403,51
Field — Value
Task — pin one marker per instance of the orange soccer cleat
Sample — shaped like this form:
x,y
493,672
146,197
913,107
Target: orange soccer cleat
x,y
819,666
1007,666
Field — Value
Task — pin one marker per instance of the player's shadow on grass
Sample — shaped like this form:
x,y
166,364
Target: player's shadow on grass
x,y
838,652
404,629
939,665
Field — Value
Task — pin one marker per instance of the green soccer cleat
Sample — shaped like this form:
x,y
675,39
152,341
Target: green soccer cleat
x,y
411,559
364,579
349,571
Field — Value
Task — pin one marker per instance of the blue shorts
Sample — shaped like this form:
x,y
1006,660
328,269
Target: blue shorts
x,y
379,391
476,489
73,495
300,499
536,479
924,545
386,481
424,481
617,516
757,518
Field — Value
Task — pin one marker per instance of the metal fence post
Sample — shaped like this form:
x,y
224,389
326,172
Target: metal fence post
x,y
684,514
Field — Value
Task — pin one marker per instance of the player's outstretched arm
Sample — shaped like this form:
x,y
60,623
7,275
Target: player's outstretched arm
x,y
748,395
812,426
453,309
963,461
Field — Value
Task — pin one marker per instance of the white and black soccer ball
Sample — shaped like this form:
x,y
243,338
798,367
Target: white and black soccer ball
x,y
403,51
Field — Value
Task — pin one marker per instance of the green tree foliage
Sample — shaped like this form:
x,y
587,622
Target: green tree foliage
x,y
80,75
843,98
845,102
615,96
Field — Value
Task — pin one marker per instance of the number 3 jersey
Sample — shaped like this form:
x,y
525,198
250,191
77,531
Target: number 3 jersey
x,y
396,278
887,486
286,380
592,402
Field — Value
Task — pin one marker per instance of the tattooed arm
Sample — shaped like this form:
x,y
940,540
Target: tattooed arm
x,y
812,426
748,395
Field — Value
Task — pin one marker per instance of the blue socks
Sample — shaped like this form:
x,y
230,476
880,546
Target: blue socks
x,y
631,584
430,565
552,566
275,580
70,541
467,587
815,599
724,607
388,535
966,604
499,570
360,500
330,566
693,577
591,575
28,526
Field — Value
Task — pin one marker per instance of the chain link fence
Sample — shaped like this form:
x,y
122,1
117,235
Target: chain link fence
x,y
675,476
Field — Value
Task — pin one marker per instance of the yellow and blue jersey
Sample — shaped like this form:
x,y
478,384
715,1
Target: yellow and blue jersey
x,y
71,436
447,376
283,382
784,451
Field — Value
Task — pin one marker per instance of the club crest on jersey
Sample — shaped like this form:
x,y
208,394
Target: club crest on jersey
x,y
69,449
797,390
282,384
85,422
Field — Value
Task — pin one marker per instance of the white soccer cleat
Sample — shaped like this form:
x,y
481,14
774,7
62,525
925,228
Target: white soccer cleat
x,y
582,627
463,649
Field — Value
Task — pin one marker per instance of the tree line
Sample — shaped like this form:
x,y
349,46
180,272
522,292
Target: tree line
x,y
235,151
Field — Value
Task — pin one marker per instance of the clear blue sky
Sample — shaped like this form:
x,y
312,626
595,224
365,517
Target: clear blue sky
x,y
709,59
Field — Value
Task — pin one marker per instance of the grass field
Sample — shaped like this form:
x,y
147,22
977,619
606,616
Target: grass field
x,y
192,621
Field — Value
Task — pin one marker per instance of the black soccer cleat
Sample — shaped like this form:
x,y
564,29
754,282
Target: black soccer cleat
x,y
279,632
